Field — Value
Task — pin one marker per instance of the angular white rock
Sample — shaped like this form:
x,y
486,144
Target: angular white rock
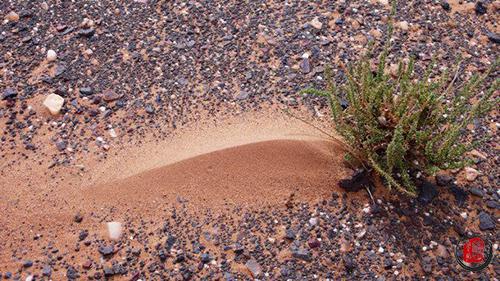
x,y
54,103
114,230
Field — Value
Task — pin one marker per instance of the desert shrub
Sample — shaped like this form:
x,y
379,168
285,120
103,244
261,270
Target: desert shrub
x,y
405,125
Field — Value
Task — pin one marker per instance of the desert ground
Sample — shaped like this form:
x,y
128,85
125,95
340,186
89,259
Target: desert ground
x,y
182,123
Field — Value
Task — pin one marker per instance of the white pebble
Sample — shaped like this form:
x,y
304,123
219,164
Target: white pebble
x,y
114,230
51,55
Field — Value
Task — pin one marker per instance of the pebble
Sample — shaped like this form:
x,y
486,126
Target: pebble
x,y
114,230
110,95
51,55
78,218
313,221
305,65
86,91
471,174
12,16
27,263
403,25
486,222
476,192
316,23
480,8
106,250
443,180
54,103
254,267
302,254
9,93
112,133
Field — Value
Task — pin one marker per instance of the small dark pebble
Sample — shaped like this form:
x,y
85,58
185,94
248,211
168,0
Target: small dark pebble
x,y
480,8
486,222
476,192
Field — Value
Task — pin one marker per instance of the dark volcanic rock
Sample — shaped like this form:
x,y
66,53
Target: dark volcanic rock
x,y
302,254
486,222
427,192
88,32
359,180
9,93
476,192
349,263
27,263
86,91
71,273
480,8
443,180
445,5
493,37
460,194
106,250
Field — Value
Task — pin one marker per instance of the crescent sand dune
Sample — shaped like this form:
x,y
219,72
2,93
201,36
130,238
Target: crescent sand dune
x,y
252,160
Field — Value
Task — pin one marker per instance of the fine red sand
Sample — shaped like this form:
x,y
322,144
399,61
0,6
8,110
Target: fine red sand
x,y
250,160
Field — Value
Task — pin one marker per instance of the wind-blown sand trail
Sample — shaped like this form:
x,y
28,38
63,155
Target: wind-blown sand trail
x,y
250,161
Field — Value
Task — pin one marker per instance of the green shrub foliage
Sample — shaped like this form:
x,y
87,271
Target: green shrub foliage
x,y
403,125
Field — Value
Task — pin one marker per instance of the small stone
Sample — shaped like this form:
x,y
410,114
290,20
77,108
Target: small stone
x,y
403,25
9,94
316,23
305,65
150,109
114,230
27,263
384,2
106,250
61,145
313,243
254,267
110,95
427,264
51,55
108,271
446,6
492,204
290,234
493,37
443,180
205,258
477,192
486,222
480,8
86,91
88,32
87,265
78,218
388,263
471,174
47,271
71,273
112,133
313,221
242,95
427,192
441,251
83,234
302,254
54,103
349,263
12,16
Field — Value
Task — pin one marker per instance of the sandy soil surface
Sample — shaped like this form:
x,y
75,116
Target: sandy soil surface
x,y
173,125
